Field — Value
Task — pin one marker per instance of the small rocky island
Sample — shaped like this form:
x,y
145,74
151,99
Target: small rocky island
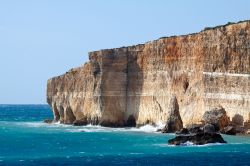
x,y
215,121
198,85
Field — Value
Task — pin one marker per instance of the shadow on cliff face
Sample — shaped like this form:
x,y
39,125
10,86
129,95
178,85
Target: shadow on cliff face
x,y
69,117
134,89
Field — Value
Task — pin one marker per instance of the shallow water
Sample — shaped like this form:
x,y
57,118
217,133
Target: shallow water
x,y
26,140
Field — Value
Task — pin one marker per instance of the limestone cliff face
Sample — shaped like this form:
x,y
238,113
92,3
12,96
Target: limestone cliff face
x,y
135,84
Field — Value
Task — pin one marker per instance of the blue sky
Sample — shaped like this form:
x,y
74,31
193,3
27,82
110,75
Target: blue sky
x,y
40,39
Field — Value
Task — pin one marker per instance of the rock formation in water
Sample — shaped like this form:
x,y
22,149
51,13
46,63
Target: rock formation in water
x,y
134,85
197,139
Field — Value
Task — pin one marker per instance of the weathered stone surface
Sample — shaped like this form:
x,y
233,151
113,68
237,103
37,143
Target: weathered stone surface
x,y
197,139
174,122
182,131
209,128
202,70
195,128
217,117
238,120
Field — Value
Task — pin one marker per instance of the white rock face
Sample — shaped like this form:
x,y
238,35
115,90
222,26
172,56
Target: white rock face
x,y
203,70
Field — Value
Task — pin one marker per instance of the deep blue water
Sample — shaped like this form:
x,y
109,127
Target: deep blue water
x,y
25,140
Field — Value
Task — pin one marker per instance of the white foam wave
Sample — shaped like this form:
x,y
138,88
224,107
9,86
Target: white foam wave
x,y
188,144
92,128
146,128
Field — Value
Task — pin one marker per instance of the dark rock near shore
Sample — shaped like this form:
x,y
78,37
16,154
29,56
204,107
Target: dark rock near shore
x,y
209,128
48,121
195,128
81,122
183,131
197,139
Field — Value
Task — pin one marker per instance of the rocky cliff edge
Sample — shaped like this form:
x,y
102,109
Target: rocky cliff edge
x,y
134,85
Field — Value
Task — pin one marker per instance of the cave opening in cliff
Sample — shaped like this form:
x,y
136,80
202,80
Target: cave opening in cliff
x,y
131,122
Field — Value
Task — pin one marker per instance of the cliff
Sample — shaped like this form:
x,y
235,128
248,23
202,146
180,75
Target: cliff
x,y
134,85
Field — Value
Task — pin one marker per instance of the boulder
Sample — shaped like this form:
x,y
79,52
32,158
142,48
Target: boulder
x,y
238,120
240,130
174,122
209,128
247,125
217,117
197,139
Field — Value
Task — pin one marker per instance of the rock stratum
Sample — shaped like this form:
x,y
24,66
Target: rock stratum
x,y
136,85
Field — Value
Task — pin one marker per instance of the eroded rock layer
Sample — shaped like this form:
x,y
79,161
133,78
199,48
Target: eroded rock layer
x,y
134,85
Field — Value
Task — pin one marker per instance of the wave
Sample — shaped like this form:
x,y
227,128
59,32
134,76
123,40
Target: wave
x,y
88,128
96,128
189,144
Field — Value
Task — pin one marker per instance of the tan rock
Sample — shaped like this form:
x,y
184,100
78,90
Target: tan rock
x,y
174,122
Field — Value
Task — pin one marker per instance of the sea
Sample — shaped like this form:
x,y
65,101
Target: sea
x,y
26,140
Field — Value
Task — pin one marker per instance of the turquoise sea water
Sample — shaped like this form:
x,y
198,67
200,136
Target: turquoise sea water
x,y
26,140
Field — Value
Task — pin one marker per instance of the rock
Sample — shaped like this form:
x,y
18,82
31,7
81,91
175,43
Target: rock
x,y
174,122
209,128
48,121
182,131
197,139
81,122
238,120
240,130
246,125
195,128
217,117
202,70
229,130
159,130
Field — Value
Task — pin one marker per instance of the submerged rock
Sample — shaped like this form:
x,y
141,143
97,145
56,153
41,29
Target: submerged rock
x,y
48,121
197,139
